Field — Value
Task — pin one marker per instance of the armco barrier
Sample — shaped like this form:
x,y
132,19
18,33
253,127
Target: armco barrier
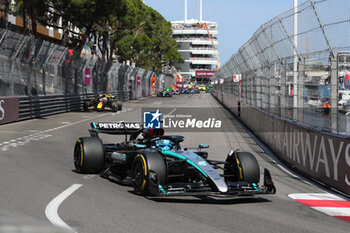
x,y
40,106
27,107
320,155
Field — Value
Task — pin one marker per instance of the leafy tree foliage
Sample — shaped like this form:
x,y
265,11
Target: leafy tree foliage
x,y
127,29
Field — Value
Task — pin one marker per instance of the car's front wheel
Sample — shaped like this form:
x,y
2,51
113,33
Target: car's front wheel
x,y
148,170
242,166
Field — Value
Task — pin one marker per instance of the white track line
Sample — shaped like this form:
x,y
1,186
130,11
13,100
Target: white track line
x,y
52,207
40,134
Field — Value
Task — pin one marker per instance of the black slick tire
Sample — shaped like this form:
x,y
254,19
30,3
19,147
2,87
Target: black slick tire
x,y
249,167
114,106
88,155
144,166
120,105
86,106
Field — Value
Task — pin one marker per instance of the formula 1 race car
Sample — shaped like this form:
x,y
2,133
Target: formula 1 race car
x,y
202,87
167,92
156,165
103,102
186,91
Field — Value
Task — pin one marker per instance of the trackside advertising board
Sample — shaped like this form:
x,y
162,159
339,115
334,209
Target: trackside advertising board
x,y
204,73
9,107
325,157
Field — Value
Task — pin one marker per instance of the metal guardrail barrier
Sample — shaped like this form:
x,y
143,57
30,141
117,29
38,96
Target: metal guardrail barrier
x,y
41,106
30,66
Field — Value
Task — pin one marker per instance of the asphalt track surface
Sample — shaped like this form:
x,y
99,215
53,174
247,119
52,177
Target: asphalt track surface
x,y
36,166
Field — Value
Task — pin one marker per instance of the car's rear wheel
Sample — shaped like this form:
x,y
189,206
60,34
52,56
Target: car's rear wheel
x,y
147,168
114,106
89,155
120,105
86,106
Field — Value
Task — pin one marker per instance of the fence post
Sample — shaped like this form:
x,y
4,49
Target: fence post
x,y
283,90
334,96
301,76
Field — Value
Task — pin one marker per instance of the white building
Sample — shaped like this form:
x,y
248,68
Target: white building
x,y
195,46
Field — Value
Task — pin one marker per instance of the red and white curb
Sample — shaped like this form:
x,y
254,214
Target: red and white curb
x,y
332,205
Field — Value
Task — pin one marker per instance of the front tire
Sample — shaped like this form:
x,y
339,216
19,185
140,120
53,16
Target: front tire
x,y
242,166
89,155
249,166
145,167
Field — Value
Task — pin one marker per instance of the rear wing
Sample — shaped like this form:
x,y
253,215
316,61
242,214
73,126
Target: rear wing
x,y
118,128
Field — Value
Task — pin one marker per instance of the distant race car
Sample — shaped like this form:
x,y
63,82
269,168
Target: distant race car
x,y
194,91
177,92
167,92
103,102
186,91
156,164
202,87
209,89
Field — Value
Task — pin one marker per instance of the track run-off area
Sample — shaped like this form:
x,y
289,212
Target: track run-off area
x,y
37,180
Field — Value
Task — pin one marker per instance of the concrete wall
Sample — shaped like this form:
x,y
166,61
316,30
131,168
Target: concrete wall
x,y
320,155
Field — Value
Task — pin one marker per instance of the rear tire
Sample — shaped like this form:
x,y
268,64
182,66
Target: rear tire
x,y
120,105
143,164
89,155
114,106
249,166
85,107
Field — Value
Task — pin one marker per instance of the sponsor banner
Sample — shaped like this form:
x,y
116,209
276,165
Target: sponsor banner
x,y
179,84
236,78
204,73
138,81
183,119
9,108
87,76
325,157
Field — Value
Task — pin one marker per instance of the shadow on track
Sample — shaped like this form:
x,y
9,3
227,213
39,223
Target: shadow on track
x,y
207,199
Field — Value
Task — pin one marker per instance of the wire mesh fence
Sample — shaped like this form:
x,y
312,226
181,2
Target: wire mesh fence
x,y
300,75
31,66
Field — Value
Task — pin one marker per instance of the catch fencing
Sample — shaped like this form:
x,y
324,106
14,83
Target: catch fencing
x,y
292,89
303,75
30,66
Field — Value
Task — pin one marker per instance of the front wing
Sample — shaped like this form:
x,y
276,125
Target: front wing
x,y
201,189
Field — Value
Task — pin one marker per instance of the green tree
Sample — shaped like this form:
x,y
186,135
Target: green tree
x,y
144,37
133,30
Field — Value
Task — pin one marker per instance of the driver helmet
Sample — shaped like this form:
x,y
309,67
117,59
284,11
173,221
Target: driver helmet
x,y
164,144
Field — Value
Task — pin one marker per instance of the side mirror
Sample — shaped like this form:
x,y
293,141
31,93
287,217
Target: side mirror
x,y
201,146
